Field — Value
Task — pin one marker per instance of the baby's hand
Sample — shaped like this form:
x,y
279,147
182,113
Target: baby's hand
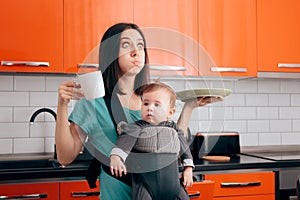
x,y
117,166
187,177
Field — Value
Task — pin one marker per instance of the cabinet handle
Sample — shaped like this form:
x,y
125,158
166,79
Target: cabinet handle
x,y
85,194
26,63
288,65
228,69
167,68
246,184
87,65
28,196
194,195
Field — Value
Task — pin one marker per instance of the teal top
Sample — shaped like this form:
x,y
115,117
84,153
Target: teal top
x,y
94,119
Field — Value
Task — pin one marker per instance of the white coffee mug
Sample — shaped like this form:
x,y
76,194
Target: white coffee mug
x,y
92,84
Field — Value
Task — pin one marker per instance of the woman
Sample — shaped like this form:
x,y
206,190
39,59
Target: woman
x,y
123,61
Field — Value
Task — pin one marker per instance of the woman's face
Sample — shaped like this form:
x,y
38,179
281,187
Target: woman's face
x,y
131,54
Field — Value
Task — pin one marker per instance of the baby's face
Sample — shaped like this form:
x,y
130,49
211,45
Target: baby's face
x,y
156,106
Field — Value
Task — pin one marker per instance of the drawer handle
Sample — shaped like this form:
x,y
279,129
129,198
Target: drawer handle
x,y
228,69
194,195
87,65
28,196
288,65
85,194
246,184
26,63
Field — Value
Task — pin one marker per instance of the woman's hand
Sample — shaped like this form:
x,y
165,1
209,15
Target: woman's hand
x,y
69,90
187,177
203,101
117,166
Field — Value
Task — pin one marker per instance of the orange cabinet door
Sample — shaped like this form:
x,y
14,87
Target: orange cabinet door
x,y
30,191
170,28
203,190
227,37
85,22
31,36
243,184
78,190
278,40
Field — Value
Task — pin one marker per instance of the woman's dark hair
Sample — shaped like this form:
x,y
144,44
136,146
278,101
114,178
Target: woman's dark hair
x,y
108,58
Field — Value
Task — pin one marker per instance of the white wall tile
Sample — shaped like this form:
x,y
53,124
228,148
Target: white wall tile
x,y
29,83
256,100
290,86
43,99
28,145
269,139
13,130
290,138
223,84
244,113
267,113
6,83
200,114
268,86
235,100
23,114
42,129
6,146
249,139
235,125
14,99
258,126
280,125
279,100
220,113
295,99
52,82
6,114
246,86
289,113
296,125
49,144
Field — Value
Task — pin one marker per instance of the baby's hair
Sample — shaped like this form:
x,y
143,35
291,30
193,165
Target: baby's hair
x,y
157,85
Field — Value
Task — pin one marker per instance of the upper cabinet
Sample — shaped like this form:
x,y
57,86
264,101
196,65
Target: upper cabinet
x,y
31,36
278,34
170,28
227,37
84,25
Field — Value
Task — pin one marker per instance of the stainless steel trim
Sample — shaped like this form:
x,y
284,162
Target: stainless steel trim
x,y
88,65
26,63
289,65
287,75
28,196
228,69
242,184
167,68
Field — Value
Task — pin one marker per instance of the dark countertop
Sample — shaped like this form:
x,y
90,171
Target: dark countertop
x,y
20,170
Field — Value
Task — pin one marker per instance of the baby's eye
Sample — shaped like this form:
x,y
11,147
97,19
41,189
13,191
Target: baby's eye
x,y
146,104
157,104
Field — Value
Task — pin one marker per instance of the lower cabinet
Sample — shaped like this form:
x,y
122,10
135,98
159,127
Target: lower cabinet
x,y
77,189
202,190
244,186
30,191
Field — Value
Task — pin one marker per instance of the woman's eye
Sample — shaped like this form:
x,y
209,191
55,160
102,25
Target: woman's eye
x,y
125,44
140,46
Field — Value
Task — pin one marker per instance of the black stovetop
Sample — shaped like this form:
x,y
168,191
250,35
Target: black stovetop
x,y
277,156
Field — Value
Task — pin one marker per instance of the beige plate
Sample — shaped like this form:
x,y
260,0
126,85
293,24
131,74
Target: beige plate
x,y
202,92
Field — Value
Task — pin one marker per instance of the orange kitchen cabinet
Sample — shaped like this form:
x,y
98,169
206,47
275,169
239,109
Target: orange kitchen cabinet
x,y
78,189
170,28
31,36
278,40
85,22
204,188
260,185
40,190
227,38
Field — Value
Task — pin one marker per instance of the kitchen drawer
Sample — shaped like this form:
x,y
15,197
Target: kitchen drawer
x,y
205,188
78,189
243,183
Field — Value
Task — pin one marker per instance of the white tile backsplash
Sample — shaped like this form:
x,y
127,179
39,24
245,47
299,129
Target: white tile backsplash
x,y
264,112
